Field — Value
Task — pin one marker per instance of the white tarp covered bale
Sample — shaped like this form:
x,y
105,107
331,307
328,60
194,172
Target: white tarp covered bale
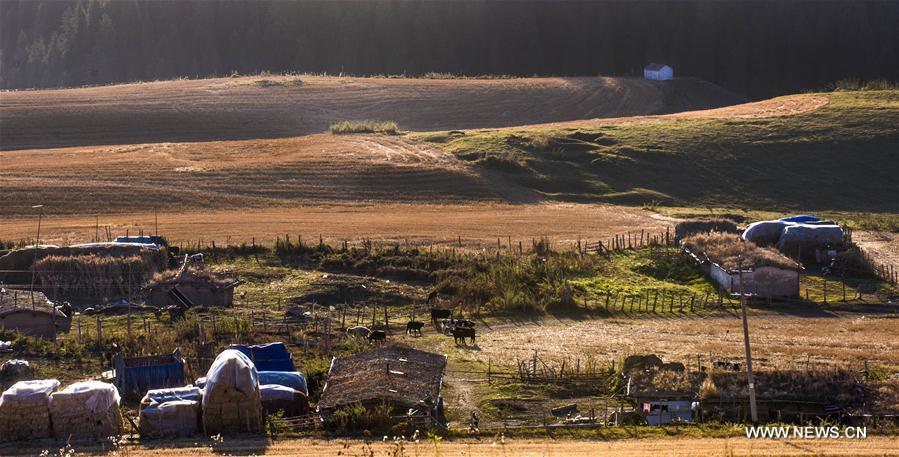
x,y
765,232
231,398
25,410
86,410
810,236
170,412
277,398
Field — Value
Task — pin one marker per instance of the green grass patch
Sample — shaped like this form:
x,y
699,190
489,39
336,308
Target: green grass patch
x,y
769,164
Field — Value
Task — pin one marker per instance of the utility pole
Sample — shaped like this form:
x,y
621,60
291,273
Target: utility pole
x,y
752,406
36,243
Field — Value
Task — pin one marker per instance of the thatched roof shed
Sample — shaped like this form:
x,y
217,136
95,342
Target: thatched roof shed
x,y
398,375
725,249
38,317
189,286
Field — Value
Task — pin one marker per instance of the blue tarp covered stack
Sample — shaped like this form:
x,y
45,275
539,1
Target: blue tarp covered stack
x,y
134,376
282,387
796,236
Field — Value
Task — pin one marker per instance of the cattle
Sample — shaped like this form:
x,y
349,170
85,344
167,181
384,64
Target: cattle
x,y
358,331
437,314
460,333
726,365
447,325
414,327
377,336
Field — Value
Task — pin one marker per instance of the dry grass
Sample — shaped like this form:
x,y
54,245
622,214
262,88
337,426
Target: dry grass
x,y
365,126
778,342
652,447
95,275
726,249
477,224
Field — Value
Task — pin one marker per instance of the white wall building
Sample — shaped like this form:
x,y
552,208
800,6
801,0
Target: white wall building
x,y
658,72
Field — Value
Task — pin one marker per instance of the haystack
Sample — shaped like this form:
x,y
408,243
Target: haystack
x,y
231,400
170,412
697,226
725,249
95,277
25,410
86,410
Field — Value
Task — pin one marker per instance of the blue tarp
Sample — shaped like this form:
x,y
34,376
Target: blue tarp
x,y
268,357
292,379
149,372
801,218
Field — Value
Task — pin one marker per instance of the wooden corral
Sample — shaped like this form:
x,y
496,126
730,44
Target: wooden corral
x,y
405,378
35,316
200,288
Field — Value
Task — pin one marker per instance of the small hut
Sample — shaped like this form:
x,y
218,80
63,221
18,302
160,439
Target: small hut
x,y
31,313
406,379
189,287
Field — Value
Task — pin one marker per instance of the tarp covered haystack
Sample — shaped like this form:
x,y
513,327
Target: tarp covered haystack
x,y
25,410
277,398
86,410
268,357
800,238
170,412
765,232
231,400
292,379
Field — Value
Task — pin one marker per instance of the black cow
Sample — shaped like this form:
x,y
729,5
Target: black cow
x,y
438,314
414,327
377,335
460,333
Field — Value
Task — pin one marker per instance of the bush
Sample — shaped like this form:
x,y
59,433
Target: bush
x,y
364,126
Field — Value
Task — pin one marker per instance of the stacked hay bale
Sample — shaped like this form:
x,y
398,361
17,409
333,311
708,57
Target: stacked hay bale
x,y
231,399
25,410
86,411
95,276
170,412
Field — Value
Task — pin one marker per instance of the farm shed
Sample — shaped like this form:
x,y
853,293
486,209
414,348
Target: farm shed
x,y
134,376
190,287
268,357
766,272
404,378
664,396
658,72
782,396
38,317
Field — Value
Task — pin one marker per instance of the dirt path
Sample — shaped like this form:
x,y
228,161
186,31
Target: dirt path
x,y
277,106
872,446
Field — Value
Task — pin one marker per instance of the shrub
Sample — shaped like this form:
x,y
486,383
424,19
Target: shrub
x,y
364,126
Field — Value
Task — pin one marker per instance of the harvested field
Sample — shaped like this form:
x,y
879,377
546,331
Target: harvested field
x,y
281,106
652,447
421,223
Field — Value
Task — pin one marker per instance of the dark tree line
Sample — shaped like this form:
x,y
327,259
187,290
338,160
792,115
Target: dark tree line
x,y
758,48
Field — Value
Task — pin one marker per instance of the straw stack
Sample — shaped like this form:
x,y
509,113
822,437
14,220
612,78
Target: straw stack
x,y
231,400
86,411
25,411
170,412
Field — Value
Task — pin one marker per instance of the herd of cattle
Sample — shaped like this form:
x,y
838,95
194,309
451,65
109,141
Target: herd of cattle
x,y
460,329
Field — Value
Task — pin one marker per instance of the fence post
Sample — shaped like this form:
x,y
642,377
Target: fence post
x,y
99,330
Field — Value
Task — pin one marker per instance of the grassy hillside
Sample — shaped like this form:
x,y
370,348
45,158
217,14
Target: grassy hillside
x,y
842,157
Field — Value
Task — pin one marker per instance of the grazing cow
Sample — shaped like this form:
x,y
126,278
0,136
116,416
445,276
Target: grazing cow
x,y
414,327
726,365
377,335
464,323
447,325
358,331
460,333
437,314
